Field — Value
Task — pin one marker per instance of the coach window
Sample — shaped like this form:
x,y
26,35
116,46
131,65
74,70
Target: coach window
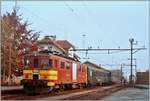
x,y
62,64
68,65
91,73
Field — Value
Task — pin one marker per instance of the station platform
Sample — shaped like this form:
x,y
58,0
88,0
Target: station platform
x,y
4,88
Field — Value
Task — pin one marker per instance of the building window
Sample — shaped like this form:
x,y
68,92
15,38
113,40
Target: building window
x,y
41,47
50,48
62,64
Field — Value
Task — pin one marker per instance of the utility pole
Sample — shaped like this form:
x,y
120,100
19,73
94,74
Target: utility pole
x,y
131,40
131,45
121,73
109,50
135,69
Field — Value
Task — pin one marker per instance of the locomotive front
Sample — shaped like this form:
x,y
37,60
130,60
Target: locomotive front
x,y
38,73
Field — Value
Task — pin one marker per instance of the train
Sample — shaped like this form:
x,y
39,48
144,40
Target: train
x,y
47,71
97,75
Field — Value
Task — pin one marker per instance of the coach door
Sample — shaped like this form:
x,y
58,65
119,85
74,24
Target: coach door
x,y
74,71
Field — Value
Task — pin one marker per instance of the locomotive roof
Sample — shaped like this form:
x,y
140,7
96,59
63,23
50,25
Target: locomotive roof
x,y
47,53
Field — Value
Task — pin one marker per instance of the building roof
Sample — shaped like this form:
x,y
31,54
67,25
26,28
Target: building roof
x,y
48,40
95,65
65,44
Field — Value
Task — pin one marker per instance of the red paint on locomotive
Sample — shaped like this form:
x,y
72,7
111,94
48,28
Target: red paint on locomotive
x,y
68,70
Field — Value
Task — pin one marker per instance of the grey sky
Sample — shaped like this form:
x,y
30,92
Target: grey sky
x,y
106,24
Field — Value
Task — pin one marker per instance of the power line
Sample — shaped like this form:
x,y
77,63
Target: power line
x,y
73,11
36,15
43,20
90,13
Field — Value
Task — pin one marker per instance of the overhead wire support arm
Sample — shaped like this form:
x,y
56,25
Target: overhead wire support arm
x,y
107,49
138,50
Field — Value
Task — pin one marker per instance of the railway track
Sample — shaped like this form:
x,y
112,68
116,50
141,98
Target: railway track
x,y
95,95
20,95
66,94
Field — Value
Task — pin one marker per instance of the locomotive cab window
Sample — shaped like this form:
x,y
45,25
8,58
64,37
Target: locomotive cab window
x,y
62,64
46,63
68,65
36,62
27,63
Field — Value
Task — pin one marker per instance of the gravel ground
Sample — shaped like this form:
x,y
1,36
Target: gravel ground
x,y
92,94
129,94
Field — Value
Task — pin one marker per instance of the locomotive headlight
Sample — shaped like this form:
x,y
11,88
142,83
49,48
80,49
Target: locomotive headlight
x,y
27,76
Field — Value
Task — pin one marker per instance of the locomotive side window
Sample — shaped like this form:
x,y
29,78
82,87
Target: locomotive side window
x,y
50,63
83,69
62,64
79,69
68,65
55,63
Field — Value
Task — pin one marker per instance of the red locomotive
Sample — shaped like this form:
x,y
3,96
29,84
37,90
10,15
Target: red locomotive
x,y
52,71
